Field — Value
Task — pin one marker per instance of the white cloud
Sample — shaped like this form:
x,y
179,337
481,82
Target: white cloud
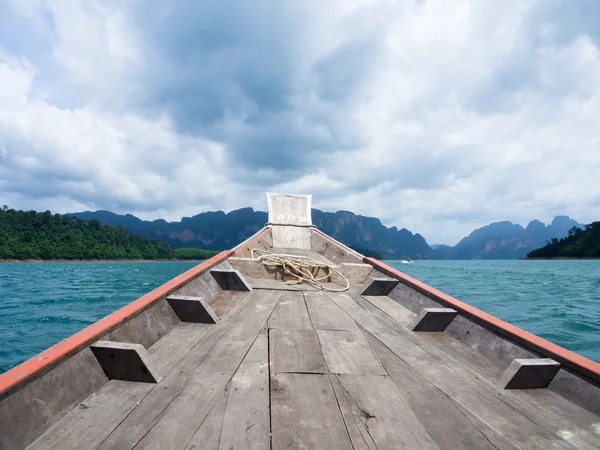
x,y
100,159
437,116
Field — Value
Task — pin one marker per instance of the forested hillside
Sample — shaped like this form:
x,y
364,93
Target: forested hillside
x,y
216,230
33,235
578,244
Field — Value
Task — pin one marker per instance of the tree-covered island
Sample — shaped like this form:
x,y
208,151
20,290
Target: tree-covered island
x,y
580,243
30,235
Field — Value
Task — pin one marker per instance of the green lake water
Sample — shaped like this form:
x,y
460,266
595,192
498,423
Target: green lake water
x,y
44,303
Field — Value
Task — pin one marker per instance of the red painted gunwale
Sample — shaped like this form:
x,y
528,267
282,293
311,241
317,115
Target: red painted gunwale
x,y
531,341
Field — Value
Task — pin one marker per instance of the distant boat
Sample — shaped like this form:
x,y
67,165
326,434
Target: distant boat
x,y
292,339
406,261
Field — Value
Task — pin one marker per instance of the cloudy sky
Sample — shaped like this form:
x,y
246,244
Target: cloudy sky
x,y
435,115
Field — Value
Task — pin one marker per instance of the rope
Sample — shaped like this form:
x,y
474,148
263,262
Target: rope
x,y
271,224
303,268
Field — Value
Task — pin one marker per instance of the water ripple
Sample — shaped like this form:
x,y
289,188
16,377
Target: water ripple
x,y
44,303
556,300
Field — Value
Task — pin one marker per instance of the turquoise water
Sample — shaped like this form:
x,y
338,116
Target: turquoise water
x,y
43,303
556,300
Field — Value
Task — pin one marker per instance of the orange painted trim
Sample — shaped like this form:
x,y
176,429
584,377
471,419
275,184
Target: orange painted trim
x,y
531,341
332,242
48,358
246,244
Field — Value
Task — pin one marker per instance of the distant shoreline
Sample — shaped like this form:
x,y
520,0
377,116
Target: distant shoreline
x,y
558,258
563,258
95,260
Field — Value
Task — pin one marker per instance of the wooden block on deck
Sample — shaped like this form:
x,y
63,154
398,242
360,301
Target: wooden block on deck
x,y
529,373
433,319
192,309
125,361
380,286
230,280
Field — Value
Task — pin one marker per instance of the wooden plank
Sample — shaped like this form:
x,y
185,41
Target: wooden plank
x,y
372,405
87,425
421,393
251,268
208,435
305,287
41,402
147,327
278,285
290,210
355,273
495,438
402,315
225,301
303,252
290,312
149,411
305,414
577,389
480,363
355,419
325,314
291,237
411,298
202,286
516,427
182,338
247,420
551,421
447,425
177,343
184,415
444,345
281,286
261,241
565,411
331,250
295,350
347,351
285,209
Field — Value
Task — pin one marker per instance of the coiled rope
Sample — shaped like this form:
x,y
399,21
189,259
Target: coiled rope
x,y
303,268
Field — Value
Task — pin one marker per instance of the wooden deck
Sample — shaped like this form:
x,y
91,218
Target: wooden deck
x,y
289,366
304,369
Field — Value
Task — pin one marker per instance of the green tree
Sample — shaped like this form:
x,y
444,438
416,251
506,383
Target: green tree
x,y
32,235
578,244
194,253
